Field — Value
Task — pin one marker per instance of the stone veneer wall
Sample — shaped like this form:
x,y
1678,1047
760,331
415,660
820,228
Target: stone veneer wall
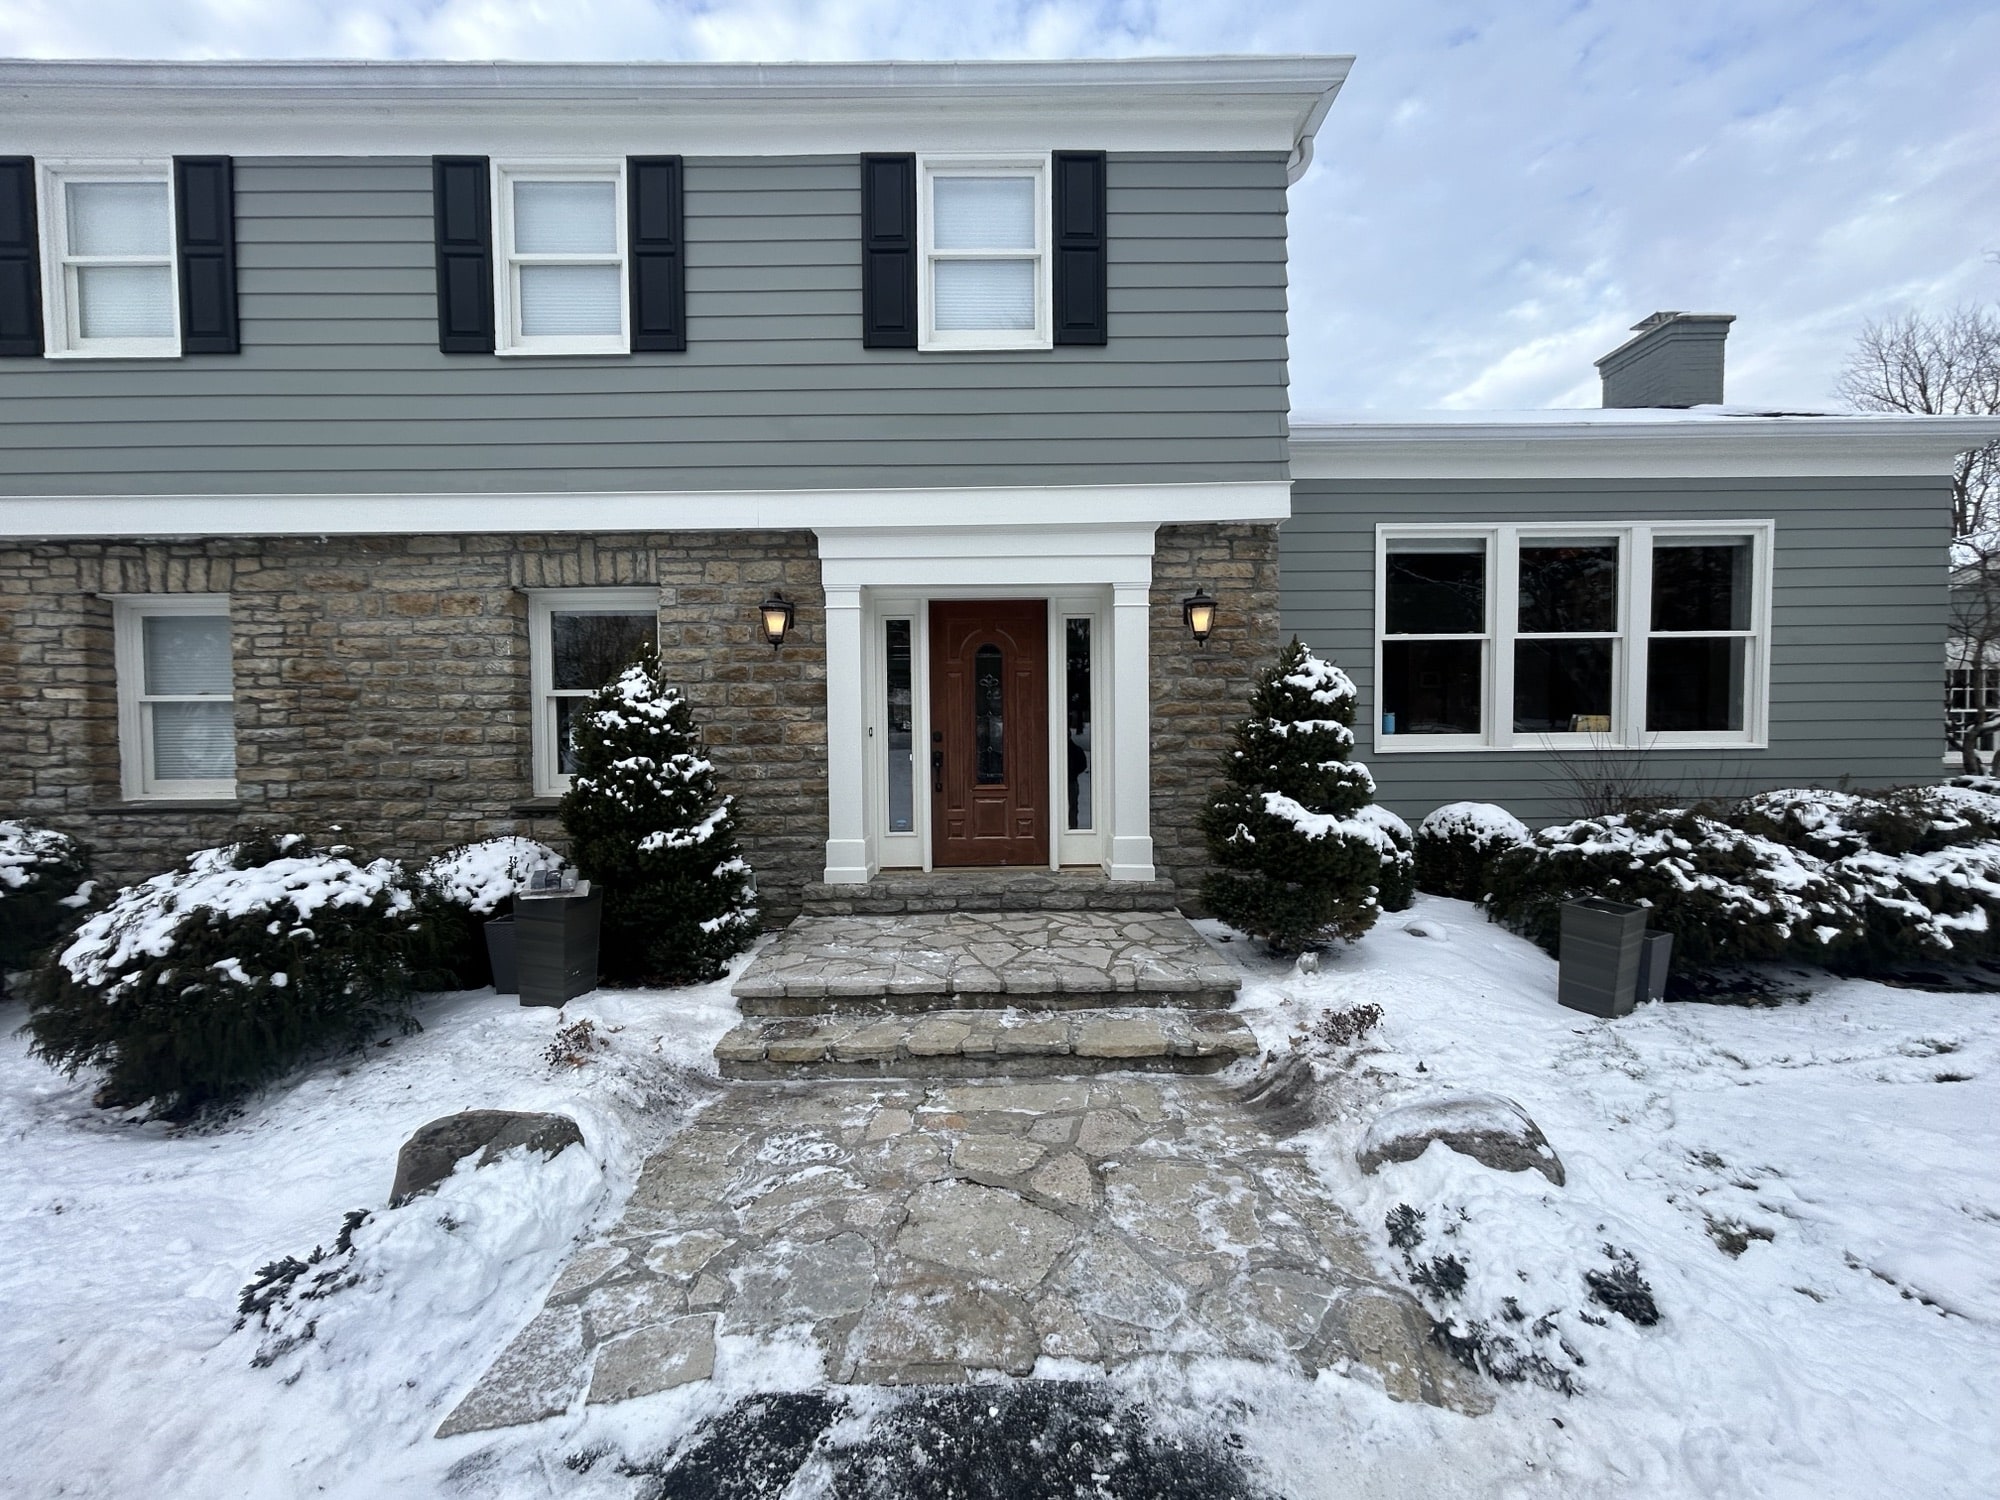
x,y
382,687
1199,692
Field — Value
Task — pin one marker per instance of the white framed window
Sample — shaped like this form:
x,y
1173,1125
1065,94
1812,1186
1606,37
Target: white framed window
x,y
578,640
1637,636
983,245
560,230
109,277
176,703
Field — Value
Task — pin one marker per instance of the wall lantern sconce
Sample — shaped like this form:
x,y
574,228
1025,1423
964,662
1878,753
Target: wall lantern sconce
x,y
1198,609
777,613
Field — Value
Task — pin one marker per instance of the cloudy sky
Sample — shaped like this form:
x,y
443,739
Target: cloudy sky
x,y
1502,188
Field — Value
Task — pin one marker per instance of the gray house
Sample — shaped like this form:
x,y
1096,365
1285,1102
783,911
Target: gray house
x,y
358,417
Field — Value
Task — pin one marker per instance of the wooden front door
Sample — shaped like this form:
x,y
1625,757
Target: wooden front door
x,y
989,759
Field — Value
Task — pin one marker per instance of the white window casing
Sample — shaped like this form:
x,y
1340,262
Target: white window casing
x,y
110,275
546,695
559,236
176,703
1633,640
984,267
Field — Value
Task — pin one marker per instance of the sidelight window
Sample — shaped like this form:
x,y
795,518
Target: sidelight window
x,y
1077,725
1630,636
901,719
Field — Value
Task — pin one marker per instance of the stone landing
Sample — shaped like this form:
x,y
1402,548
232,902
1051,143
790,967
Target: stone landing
x,y
898,892
944,1232
970,960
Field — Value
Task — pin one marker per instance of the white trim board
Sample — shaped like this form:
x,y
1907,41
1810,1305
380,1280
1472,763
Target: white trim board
x,y
1654,446
53,517
693,109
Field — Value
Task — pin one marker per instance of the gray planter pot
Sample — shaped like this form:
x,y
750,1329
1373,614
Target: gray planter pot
x,y
1599,961
555,944
500,955
1656,952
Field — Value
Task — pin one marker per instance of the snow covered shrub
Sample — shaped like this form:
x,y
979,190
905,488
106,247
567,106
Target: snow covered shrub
x,y
1456,843
1940,903
1916,819
44,883
461,888
205,982
648,828
1724,894
1304,857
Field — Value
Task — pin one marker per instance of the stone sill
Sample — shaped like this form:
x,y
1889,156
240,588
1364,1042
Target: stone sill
x,y
537,807
191,805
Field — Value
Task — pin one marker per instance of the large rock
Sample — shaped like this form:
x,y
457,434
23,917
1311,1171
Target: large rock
x,y
1489,1128
429,1156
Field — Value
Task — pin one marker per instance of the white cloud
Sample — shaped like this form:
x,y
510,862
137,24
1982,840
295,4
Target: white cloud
x,y
1504,186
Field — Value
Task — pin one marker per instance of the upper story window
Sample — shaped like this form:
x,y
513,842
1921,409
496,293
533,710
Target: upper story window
x,y
109,279
983,234
176,703
561,236
1636,636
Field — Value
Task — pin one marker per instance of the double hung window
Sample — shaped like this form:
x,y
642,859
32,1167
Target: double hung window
x,y
561,233
1632,636
578,640
176,709
983,229
110,272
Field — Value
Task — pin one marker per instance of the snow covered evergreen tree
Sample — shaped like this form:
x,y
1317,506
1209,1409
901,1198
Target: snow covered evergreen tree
x,y
1305,857
648,828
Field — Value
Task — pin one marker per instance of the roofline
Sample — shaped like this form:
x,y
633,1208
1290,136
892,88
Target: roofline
x,y
1610,448
1289,90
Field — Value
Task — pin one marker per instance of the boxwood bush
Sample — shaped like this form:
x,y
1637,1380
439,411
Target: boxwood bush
x,y
1457,844
44,886
202,983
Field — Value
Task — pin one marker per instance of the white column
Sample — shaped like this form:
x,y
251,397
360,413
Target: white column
x,y
846,764
1131,733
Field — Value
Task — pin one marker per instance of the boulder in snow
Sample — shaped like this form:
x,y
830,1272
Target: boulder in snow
x,y
1492,1130
430,1156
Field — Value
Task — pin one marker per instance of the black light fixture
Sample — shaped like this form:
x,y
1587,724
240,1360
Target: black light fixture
x,y
777,613
1198,609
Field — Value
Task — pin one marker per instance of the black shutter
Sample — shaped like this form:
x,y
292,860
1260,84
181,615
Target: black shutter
x,y
888,252
659,273
1080,257
462,201
20,259
205,236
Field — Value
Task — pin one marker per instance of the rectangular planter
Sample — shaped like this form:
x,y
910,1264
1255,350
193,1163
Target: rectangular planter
x,y
1599,963
500,955
555,944
1656,952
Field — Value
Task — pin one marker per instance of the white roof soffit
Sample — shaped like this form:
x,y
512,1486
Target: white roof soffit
x,y
1626,445
425,108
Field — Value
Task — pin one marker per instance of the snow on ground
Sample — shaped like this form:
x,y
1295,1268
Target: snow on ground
x,y
123,1247
1844,1147
1855,1351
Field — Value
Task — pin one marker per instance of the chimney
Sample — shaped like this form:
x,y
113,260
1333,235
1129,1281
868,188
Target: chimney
x,y
1676,360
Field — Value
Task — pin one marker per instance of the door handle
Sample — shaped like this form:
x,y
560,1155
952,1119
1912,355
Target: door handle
x,y
937,770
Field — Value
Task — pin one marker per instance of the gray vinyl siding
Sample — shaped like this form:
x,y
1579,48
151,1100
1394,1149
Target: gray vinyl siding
x,y
1857,629
340,386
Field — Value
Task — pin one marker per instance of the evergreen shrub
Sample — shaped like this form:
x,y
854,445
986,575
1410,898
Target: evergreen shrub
x,y
1303,855
202,983
44,886
459,890
1456,844
1724,894
649,829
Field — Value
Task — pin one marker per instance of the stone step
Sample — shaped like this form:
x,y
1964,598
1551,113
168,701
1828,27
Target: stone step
x,y
984,1044
975,960
896,892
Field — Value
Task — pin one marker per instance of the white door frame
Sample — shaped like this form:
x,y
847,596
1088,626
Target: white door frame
x,y
872,575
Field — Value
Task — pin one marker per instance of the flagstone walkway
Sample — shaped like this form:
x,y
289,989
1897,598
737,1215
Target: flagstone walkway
x,y
921,1233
